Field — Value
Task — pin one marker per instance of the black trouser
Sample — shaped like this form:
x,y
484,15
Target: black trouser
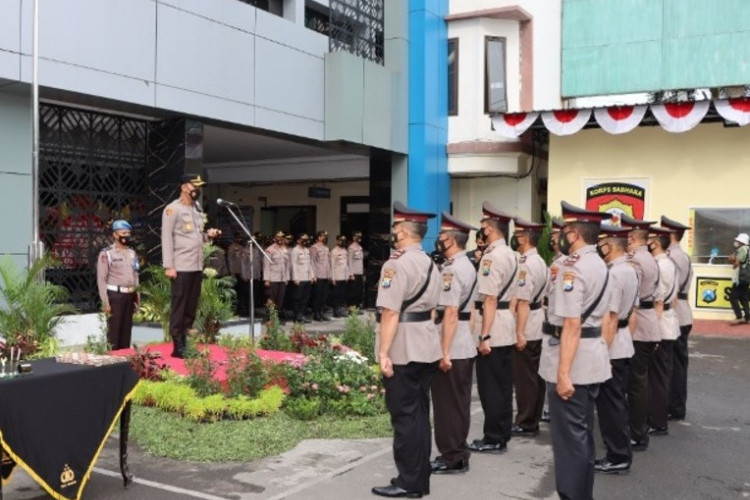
x,y
572,425
243,296
638,392
659,376
275,293
355,291
451,405
529,385
186,291
678,386
495,388
319,295
407,397
120,320
258,293
300,298
612,409
739,298
339,294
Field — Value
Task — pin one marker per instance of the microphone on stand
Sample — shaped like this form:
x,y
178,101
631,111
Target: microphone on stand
x,y
224,203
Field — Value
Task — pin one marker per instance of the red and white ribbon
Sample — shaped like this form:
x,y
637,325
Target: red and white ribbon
x,y
513,124
566,121
734,110
680,116
619,119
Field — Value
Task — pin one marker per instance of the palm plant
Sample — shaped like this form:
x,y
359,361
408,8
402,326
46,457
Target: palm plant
x,y
31,308
156,298
215,304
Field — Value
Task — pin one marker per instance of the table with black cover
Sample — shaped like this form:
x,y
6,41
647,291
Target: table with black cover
x,y
55,421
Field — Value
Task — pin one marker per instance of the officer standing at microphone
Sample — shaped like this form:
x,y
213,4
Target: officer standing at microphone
x,y
574,356
408,349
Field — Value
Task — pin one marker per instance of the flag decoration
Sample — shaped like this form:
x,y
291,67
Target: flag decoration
x,y
734,110
679,117
566,121
619,119
512,125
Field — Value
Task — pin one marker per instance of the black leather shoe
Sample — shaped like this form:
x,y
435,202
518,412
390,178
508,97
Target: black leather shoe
x,y
606,467
317,317
517,430
323,317
440,467
637,445
658,431
393,491
675,418
482,446
544,417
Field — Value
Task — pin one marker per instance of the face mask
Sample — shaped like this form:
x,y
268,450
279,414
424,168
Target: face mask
x,y
440,246
737,244
437,257
342,243
125,240
600,250
325,241
280,241
514,243
564,244
194,194
305,243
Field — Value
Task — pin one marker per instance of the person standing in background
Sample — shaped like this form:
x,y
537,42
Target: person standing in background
x,y
275,272
740,296
356,254
321,263
303,277
341,276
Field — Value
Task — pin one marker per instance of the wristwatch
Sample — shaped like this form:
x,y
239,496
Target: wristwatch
x,y
483,338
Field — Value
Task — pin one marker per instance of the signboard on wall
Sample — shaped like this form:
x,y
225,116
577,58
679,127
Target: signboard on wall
x,y
617,197
712,293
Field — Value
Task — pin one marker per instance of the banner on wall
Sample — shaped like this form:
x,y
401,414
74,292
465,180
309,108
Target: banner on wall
x,y
712,293
617,197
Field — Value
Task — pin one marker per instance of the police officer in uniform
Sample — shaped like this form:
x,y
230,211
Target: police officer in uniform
x,y
496,332
117,278
321,263
303,277
451,387
234,262
574,356
341,275
531,283
356,254
274,272
612,401
678,385
475,255
182,239
647,333
408,349
659,373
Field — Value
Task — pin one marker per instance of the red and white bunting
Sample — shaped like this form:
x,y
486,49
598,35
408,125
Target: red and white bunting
x,y
619,119
513,124
566,121
679,117
734,110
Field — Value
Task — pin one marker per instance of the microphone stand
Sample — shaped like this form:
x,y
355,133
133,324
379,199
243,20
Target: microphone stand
x,y
250,243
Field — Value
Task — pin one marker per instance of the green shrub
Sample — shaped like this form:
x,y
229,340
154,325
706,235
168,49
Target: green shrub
x,y
359,334
247,374
202,373
275,338
303,408
156,298
268,402
214,306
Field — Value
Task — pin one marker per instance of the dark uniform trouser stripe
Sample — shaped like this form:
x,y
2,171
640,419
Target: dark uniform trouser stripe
x,y
451,404
275,293
120,321
572,424
612,409
355,291
678,387
407,397
659,375
319,295
638,392
495,388
186,291
529,385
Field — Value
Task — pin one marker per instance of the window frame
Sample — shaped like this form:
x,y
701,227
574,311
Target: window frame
x,y
453,78
694,236
487,41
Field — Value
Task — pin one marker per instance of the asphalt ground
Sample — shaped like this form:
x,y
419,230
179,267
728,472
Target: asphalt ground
x,y
705,457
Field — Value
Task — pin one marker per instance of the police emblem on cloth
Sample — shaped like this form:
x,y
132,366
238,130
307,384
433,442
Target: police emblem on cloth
x,y
522,278
447,280
568,279
388,274
486,266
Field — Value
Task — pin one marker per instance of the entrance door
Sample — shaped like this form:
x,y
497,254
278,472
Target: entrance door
x,y
294,220
355,215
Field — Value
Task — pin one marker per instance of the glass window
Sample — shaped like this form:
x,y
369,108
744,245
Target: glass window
x,y
495,100
453,76
714,232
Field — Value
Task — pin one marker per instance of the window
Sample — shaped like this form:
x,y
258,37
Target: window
x,y
273,6
495,99
714,230
357,26
453,76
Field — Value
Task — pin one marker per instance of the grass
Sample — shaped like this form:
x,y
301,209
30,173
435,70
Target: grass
x,y
165,435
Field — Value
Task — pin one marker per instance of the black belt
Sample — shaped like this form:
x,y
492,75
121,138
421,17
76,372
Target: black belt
x,y
535,306
409,317
587,332
648,304
622,323
682,296
464,316
667,306
501,305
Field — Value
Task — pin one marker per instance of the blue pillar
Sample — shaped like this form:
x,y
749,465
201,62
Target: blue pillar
x,y
429,183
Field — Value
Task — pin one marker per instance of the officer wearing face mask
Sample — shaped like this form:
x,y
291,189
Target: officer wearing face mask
x,y
303,277
475,255
274,272
117,278
554,268
340,276
182,239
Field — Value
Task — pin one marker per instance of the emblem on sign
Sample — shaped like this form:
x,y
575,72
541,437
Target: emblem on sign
x,y
616,198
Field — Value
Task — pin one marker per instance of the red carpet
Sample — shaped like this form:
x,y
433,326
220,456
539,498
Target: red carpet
x,y
218,354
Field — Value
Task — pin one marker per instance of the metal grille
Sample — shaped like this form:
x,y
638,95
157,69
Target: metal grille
x,y
92,169
356,26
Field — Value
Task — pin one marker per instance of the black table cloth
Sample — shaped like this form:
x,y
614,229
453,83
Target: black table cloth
x,y
55,421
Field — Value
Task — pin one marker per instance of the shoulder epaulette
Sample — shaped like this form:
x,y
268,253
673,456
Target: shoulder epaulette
x,y
522,260
571,261
397,254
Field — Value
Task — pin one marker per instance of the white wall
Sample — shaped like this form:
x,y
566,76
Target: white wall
x,y
222,59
